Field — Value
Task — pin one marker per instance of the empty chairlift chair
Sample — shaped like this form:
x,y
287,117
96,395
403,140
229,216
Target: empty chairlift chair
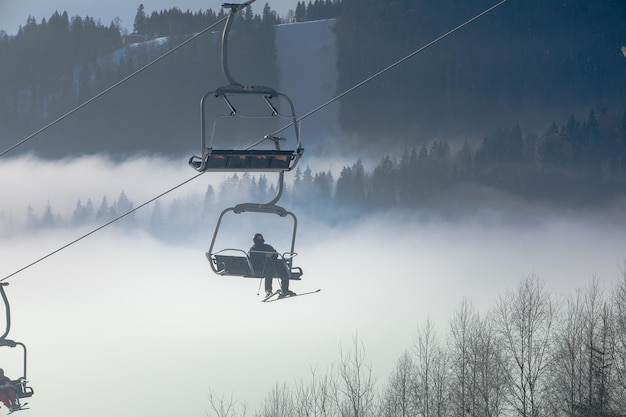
x,y
256,156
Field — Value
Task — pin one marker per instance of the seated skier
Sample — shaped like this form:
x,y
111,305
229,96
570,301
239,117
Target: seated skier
x,y
266,263
7,392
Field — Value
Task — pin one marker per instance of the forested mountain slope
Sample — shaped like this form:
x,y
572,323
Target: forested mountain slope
x,y
527,64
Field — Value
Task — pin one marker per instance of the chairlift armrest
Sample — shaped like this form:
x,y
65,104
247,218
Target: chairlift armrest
x,y
295,272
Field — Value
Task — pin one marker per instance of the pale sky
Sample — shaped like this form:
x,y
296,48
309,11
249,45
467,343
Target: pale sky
x,y
14,13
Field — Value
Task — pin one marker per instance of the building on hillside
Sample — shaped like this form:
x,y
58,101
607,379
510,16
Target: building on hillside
x,y
307,61
133,38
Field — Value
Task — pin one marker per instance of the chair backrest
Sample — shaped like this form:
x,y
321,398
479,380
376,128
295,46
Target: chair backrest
x,y
244,266
233,265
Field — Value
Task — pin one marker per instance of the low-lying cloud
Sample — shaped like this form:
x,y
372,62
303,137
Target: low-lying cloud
x,y
134,315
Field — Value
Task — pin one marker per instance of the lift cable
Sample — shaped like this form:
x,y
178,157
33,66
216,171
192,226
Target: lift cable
x,y
97,96
278,131
417,51
101,227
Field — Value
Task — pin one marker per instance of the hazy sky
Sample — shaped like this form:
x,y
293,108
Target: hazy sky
x,y
14,13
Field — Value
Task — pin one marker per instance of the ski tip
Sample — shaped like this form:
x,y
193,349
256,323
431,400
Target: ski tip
x,y
270,299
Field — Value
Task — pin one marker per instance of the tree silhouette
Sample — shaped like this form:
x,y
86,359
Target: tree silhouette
x,y
141,21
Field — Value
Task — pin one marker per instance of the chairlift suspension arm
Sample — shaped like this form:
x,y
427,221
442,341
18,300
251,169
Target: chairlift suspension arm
x,y
295,123
234,9
23,346
7,309
279,192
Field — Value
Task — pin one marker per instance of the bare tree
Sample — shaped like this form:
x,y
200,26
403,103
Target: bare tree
x,y
492,387
398,399
619,308
225,407
584,376
525,320
463,378
565,374
278,403
598,350
603,365
430,387
313,399
353,390
477,388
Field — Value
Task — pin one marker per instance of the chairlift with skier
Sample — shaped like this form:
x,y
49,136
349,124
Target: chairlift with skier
x,y
20,385
263,155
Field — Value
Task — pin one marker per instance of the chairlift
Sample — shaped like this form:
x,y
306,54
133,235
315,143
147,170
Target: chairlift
x,y
252,158
263,155
237,262
22,389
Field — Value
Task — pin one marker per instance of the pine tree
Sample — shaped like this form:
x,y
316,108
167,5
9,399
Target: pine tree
x,y
141,21
31,219
79,216
104,211
47,219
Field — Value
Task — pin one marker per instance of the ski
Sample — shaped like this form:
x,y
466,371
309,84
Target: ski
x,y
270,296
22,407
270,299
